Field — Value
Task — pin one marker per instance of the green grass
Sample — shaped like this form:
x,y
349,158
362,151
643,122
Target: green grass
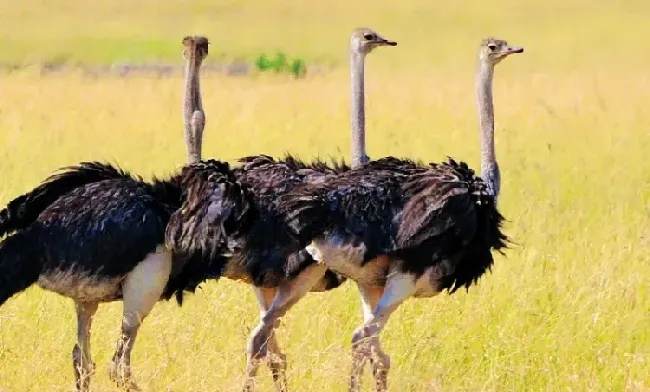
x,y
566,310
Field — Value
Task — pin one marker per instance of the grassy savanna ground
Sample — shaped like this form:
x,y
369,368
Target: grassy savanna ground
x,y
567,309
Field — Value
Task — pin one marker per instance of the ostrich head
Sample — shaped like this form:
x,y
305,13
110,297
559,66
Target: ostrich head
x,y
364,40
494,50
198,42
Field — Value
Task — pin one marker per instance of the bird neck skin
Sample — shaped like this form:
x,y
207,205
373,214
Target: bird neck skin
x,y
193,153
357,110
198,117
489,167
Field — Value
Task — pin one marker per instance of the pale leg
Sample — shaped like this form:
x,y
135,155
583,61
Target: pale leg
x,y
365,340
288,294
81,356
369,298
141,290
276,360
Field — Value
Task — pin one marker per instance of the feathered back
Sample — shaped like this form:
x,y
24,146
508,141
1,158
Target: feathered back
x,y
270,178
358,201
294,164
24,210
216,208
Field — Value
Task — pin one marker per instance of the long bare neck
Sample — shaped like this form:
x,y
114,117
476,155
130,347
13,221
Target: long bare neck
x,y
489,167
198,117
357,110
189,106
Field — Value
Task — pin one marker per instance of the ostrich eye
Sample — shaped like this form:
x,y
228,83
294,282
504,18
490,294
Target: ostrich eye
x,y
369,36
492,47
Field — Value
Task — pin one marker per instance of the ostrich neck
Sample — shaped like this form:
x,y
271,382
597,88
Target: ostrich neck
x,y
198,107
357,110
189,98
198,103
489,167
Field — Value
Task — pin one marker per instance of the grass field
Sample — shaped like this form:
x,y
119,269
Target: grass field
x,y
568,309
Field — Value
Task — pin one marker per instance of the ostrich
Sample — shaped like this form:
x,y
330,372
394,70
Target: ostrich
x,y
401,229
95,234
265,255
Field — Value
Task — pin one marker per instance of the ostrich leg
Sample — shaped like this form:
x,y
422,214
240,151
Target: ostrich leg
x,y
276,360
141,290
81,358
288,294
365,340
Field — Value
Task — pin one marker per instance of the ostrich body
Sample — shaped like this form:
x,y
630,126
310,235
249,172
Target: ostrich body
x,y
401,229
265,255
95,234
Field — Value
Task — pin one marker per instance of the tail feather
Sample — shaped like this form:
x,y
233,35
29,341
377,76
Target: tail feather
x,y
474,259
24,210
20,265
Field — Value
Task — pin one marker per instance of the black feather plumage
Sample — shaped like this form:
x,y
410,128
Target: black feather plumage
x,y
106,227
99,222
263,252
424,215
90,221
216,209
356,205
23,210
